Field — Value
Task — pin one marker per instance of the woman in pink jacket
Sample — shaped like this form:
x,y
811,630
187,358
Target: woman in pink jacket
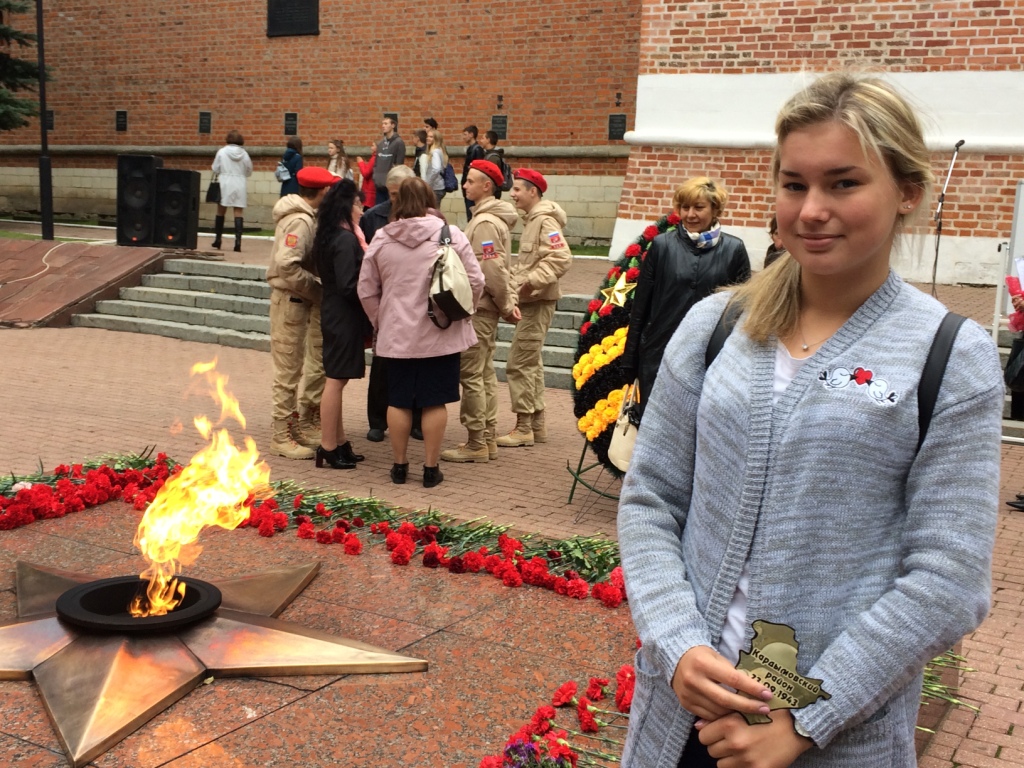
x,y
423,360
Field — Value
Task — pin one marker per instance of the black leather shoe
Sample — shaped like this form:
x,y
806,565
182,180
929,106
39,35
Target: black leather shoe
x,y
333,459
1018,505
1020,497
431,476
346,452
399,473
375,435
416,433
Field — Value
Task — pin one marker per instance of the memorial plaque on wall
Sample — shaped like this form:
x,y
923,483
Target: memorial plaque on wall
x,y
393,116
121,120
205,122
291,123
49,119
616,127
499,124
289,18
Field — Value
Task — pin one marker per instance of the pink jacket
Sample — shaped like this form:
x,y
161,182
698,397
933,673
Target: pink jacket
x,y
394,282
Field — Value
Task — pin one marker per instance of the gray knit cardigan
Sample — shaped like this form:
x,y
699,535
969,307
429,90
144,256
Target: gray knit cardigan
x,y
877,554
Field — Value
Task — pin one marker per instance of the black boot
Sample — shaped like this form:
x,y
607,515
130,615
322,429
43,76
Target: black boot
x,y
238,234
332,459
218,229
431,476
399,472
346,452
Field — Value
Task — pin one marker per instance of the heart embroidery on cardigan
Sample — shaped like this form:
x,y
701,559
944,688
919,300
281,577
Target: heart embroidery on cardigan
x,y
876,389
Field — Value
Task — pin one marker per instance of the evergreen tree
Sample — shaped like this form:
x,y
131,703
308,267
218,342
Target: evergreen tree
x,y
16,74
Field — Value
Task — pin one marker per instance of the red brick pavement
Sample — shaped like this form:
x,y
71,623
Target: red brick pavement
x,y
69,394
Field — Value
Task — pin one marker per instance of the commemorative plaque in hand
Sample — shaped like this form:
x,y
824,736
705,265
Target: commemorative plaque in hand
x,y
772,661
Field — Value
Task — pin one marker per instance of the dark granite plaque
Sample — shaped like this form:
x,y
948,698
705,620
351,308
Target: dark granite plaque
x,y
205,122
289,18
291,123
49,119
393,116
499,124
121,120
616,127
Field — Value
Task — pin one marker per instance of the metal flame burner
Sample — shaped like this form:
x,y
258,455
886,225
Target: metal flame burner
x,y
102,606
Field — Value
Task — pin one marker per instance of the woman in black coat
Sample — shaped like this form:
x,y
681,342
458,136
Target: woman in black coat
x,y
682,267
338,252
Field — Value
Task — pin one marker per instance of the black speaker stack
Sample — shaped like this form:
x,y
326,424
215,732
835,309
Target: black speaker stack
x,y
156,206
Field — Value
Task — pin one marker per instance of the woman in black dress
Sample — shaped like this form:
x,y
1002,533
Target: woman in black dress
x,y
682,267
338,251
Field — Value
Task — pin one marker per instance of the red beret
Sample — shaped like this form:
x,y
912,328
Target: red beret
x,y
532,176
315,177
492,171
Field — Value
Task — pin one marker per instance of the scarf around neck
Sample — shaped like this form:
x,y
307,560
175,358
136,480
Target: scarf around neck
x,y
704,240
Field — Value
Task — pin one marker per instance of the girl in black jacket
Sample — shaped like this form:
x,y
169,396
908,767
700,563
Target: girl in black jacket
x,y
682,267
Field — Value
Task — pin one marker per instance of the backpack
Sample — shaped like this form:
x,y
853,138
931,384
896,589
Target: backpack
x,y
451,181
281,173
450,290
506,171
931,375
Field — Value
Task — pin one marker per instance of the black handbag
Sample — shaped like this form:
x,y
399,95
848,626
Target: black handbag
x,y
1014,373
213,191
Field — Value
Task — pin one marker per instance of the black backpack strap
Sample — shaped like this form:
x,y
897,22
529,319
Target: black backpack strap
x,y
934,370
718,336
445,238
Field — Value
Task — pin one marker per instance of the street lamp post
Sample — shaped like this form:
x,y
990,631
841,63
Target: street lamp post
x,y
45,169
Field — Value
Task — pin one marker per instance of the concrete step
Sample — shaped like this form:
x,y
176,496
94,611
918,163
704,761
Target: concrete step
x,y
216,269
257,289
555,357
573,302
213,318
1013,428
557,337
242,304
223,336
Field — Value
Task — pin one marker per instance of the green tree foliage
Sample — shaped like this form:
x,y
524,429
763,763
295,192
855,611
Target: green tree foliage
x,y
16,74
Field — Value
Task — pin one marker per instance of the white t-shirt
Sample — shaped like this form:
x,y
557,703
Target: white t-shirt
x,y
786,369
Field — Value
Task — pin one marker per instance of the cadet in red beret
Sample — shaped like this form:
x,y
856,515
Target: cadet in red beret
x,y
532,176
544,257
492,171
315,177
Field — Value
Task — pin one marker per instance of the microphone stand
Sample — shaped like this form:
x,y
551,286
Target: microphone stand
x,y
938,213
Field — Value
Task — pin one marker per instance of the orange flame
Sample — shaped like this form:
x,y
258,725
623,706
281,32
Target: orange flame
x,y
211,490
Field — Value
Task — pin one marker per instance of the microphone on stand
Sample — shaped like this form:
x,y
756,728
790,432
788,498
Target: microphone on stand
x,y
938,213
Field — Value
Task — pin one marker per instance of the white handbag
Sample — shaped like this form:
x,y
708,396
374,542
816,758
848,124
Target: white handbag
x,y
620,451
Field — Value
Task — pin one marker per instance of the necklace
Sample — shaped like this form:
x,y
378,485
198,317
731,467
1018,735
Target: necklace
x,y
803,341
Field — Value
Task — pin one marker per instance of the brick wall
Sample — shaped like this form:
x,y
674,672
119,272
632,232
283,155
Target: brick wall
x,y
558,65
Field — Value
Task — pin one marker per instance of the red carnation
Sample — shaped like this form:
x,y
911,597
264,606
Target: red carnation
x,y
320,509
338,536
578,588
457,565
430,560
353,544
566,694
474,562
342,524
560,585
633,250
357,522
492,761
300,519
267,528
651,232
616,578
403,553
511,578
306,531
587,722
606,310
625,680
540,723
324,537
594,305
673,219
596,688
608,594
298,501
613,274
632,274
584,328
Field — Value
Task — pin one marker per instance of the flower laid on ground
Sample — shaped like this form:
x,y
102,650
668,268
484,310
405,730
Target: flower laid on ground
x,y
544,742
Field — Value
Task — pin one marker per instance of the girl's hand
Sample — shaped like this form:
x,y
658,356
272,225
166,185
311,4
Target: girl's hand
x,y
698,682
737,745
1018,303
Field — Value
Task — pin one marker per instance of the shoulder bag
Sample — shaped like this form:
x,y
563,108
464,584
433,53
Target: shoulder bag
x,y
450,290
213,191
620,450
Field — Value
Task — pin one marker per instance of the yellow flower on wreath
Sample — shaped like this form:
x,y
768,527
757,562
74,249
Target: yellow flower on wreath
x,y
598,356
602,415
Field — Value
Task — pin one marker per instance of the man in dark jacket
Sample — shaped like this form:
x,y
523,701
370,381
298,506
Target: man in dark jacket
x,y
377,390
390,153
473,152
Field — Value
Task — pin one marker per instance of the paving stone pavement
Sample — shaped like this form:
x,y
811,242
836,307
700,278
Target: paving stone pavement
x,y
71,393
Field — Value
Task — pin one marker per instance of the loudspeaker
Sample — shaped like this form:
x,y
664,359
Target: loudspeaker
x,y
177,208
136,198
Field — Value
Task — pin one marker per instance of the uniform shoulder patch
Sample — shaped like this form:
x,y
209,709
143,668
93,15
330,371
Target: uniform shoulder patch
x,y
487,246
555,240
291,240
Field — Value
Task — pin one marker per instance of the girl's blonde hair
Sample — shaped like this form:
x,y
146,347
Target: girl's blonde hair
x,y
701,188
887,126
439,144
